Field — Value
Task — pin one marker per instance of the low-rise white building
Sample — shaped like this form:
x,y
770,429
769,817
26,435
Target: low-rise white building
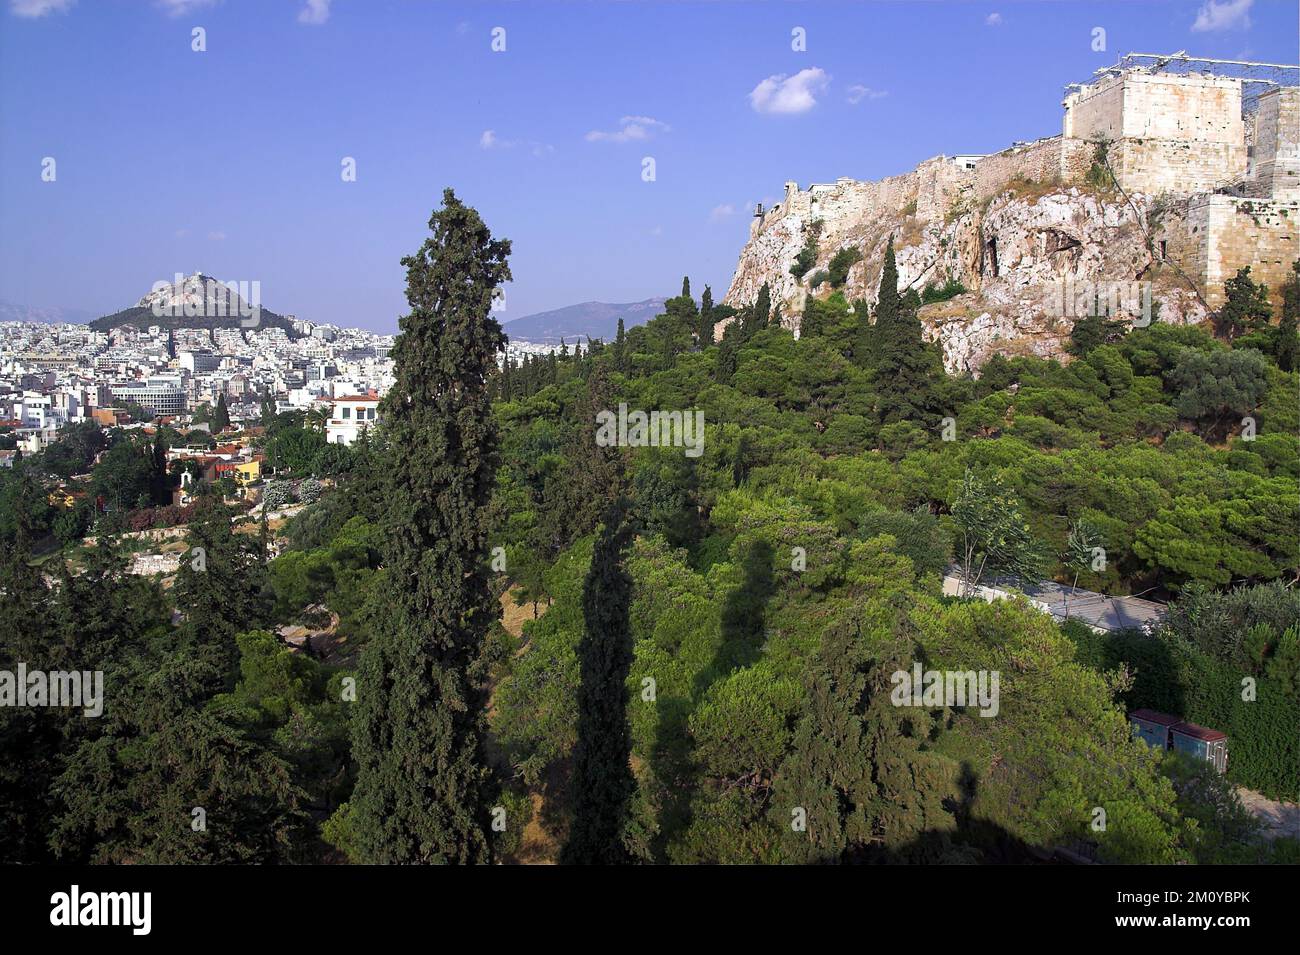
x,y
349,416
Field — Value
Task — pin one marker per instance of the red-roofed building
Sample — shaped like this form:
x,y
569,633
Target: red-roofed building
x,y
350,416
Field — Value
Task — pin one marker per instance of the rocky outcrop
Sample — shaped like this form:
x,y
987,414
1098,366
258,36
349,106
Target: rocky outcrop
x,y
1029,256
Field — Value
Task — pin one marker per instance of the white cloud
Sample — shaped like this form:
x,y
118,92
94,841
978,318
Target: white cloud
x,y
993,20
217,236
490,140
789,94
314,12
181,233
857,93
630,128
724,211
1216,15
38,8
178,8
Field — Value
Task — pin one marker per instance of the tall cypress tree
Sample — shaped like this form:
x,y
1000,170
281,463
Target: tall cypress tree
x,y
422,792
602,782
705,330
905,365
620,349
887,300
221,416
1286,347
762,308
728,352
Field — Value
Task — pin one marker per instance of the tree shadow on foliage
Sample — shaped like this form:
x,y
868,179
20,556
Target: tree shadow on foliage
x,y
672,759
973,842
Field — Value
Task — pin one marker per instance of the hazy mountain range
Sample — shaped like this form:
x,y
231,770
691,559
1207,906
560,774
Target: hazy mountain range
x,y
10,312
576,323
573,323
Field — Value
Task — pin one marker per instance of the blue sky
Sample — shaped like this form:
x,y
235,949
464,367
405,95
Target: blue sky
x,y
229,160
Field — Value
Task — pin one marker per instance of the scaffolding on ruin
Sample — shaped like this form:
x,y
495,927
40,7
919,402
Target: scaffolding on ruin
x,y
1256,78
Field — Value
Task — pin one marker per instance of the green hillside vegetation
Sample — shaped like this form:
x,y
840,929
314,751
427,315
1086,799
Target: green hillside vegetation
x,y
754,602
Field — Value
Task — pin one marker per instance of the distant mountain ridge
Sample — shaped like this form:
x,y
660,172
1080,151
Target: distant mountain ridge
x,y
578,322
49,315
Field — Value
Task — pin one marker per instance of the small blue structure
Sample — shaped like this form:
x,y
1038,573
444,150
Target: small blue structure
x,y
1162,731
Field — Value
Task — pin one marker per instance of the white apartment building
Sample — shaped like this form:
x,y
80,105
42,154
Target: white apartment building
x,y
159,398
349,416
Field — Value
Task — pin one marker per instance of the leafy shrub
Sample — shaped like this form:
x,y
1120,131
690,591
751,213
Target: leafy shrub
x,y
277,494
807,256
841,262
309,491
941,293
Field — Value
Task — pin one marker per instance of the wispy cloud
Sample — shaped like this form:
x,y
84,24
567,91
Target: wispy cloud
x,y
1216,15
789,94
31,9
178,8
314,12
490,140
857,93
993,20
724,211
217,236
631,128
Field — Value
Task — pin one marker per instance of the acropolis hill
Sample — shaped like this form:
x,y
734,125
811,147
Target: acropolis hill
x,y
1169,169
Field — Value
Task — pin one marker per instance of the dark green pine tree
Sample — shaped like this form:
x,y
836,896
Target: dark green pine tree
x,y
812,324
221,586
864,339
161,488
704,333
728,352
577,495
1286,347
423,788
686,286
1245,307
855,768
602,783
30,737
221,416
762,309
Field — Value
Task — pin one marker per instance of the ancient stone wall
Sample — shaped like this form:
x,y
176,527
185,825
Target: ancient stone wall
x,y
1212,236
1158,166
1276,167
1191,108
1096,111
1052,160
1168,133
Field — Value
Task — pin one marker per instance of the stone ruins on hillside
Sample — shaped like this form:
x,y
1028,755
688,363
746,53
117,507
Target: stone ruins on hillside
x,y
1206,156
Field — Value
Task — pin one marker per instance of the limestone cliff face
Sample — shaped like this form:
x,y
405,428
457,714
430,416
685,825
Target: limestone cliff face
x,y
1027,254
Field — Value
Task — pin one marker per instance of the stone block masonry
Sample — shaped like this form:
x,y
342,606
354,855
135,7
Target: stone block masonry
x,y
1276,170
